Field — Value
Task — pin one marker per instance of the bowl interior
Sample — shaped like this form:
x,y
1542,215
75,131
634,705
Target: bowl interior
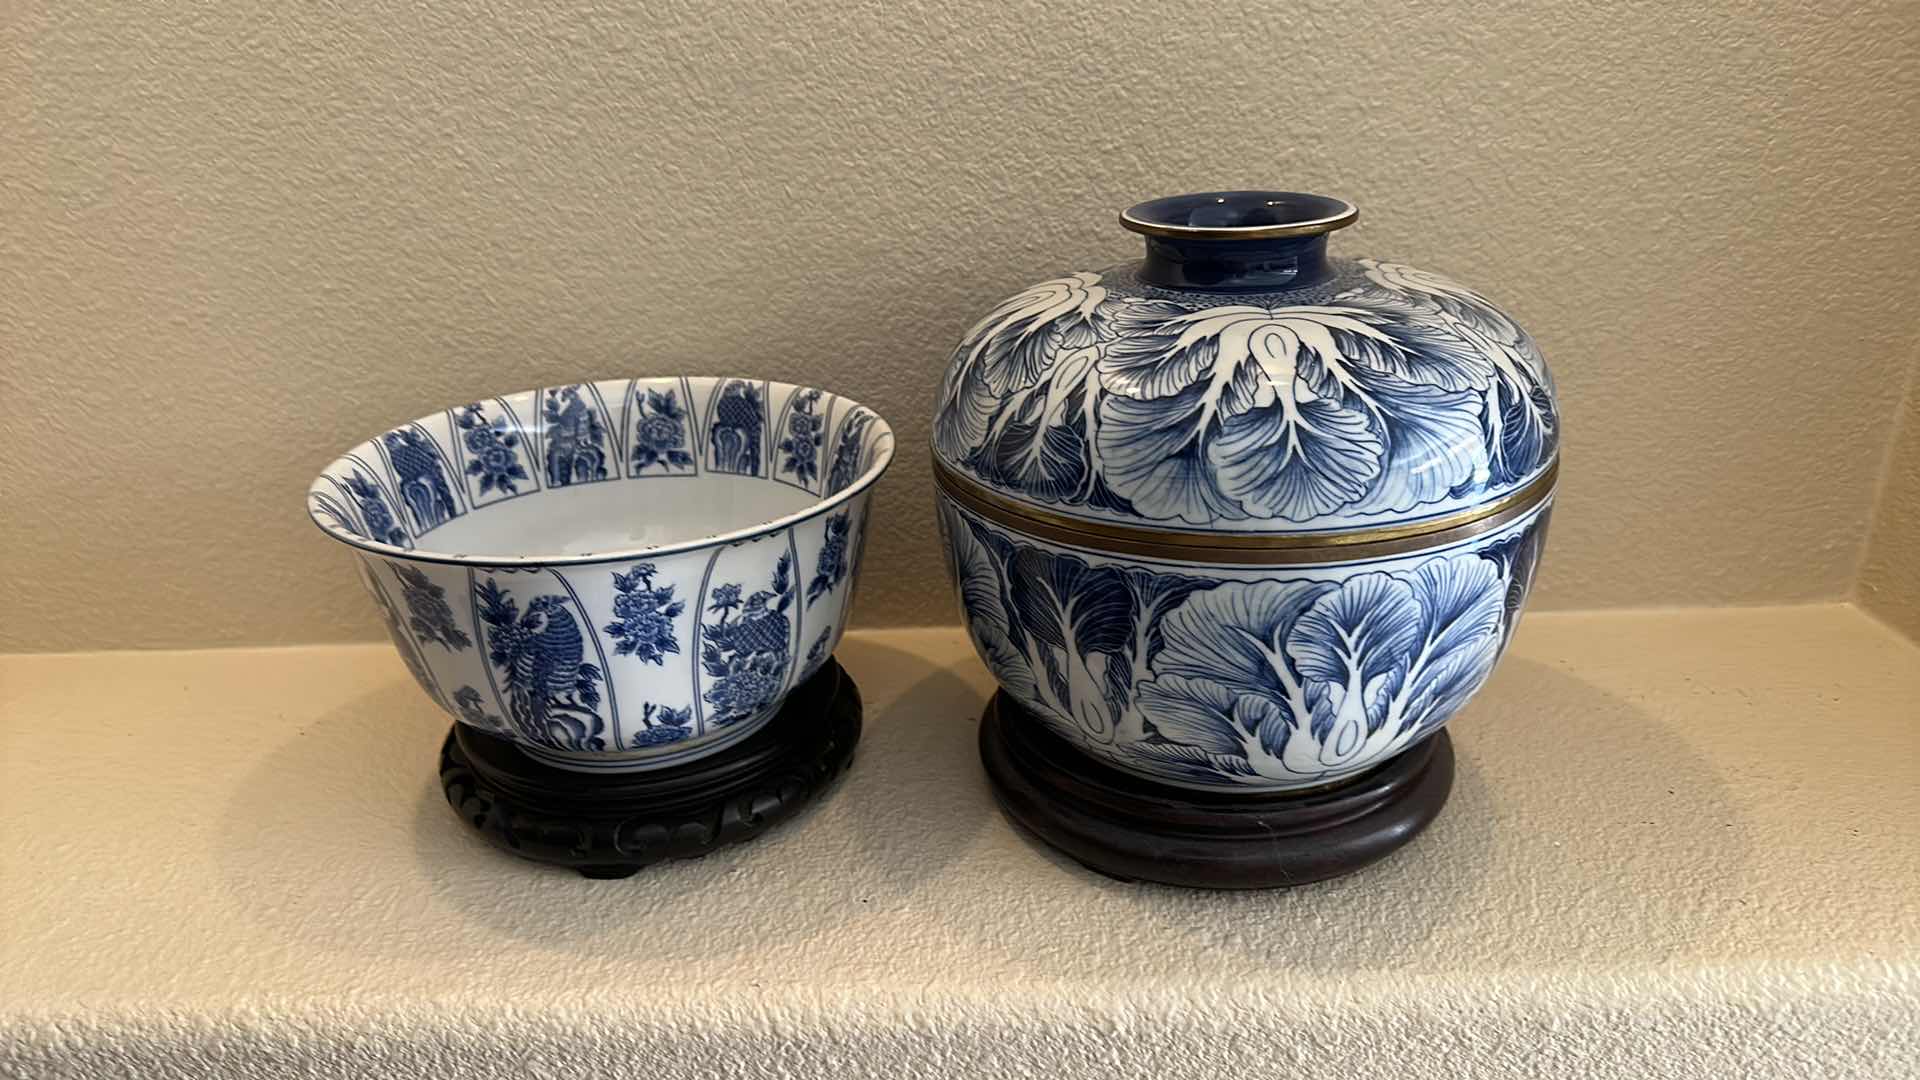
x,y
586,520
601,470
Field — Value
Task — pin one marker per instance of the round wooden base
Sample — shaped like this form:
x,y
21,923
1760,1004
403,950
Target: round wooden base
x,y
614,825
1136,830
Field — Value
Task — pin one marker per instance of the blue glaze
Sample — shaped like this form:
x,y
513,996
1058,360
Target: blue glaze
x,y
1235,265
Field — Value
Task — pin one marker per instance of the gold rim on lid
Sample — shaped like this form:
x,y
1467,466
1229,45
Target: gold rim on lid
x,y
1246,548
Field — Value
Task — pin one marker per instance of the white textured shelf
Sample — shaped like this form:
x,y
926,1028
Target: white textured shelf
x,y
1681,844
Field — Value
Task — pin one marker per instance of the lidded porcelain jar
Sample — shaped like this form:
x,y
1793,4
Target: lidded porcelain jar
x,y
1242,515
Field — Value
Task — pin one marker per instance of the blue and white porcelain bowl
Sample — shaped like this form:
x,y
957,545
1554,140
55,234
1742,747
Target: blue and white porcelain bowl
x,y
616,575
1241,515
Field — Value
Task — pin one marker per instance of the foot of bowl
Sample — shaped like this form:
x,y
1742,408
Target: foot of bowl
x,y
1136,830
616,825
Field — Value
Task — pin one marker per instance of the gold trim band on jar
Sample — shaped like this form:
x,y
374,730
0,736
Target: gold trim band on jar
x,y
1261,549
1341,214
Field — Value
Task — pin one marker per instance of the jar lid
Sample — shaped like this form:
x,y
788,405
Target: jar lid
x,y
1238,388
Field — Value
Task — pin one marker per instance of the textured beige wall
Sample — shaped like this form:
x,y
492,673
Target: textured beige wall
x,y
236,237
1890,572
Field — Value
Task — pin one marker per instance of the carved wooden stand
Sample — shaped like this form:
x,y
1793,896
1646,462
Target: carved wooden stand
x,y
615,825
1136,830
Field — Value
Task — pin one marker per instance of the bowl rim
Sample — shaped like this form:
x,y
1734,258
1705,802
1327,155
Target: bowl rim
x,y
883,438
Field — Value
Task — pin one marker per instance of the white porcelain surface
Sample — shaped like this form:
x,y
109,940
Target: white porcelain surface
x,y
617,575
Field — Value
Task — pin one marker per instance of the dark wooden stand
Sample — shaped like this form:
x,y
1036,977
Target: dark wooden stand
x,y
615,825
1137,830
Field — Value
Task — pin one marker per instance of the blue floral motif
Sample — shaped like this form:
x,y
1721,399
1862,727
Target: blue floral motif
x,y
746,683
1068,623
660,725
818,650
1248,412
745,649
409,649
552,692
1518,557
739,415
336,513
495,447
847,449
1229,682
424,490
805,431
473,711
1053,325
1403,390
1519,422
832,565
429,615
643,623
373,507
660,435
574,438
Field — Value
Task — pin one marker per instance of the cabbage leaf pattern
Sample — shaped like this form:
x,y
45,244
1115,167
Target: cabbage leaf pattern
x,y
1403,390
1218,682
